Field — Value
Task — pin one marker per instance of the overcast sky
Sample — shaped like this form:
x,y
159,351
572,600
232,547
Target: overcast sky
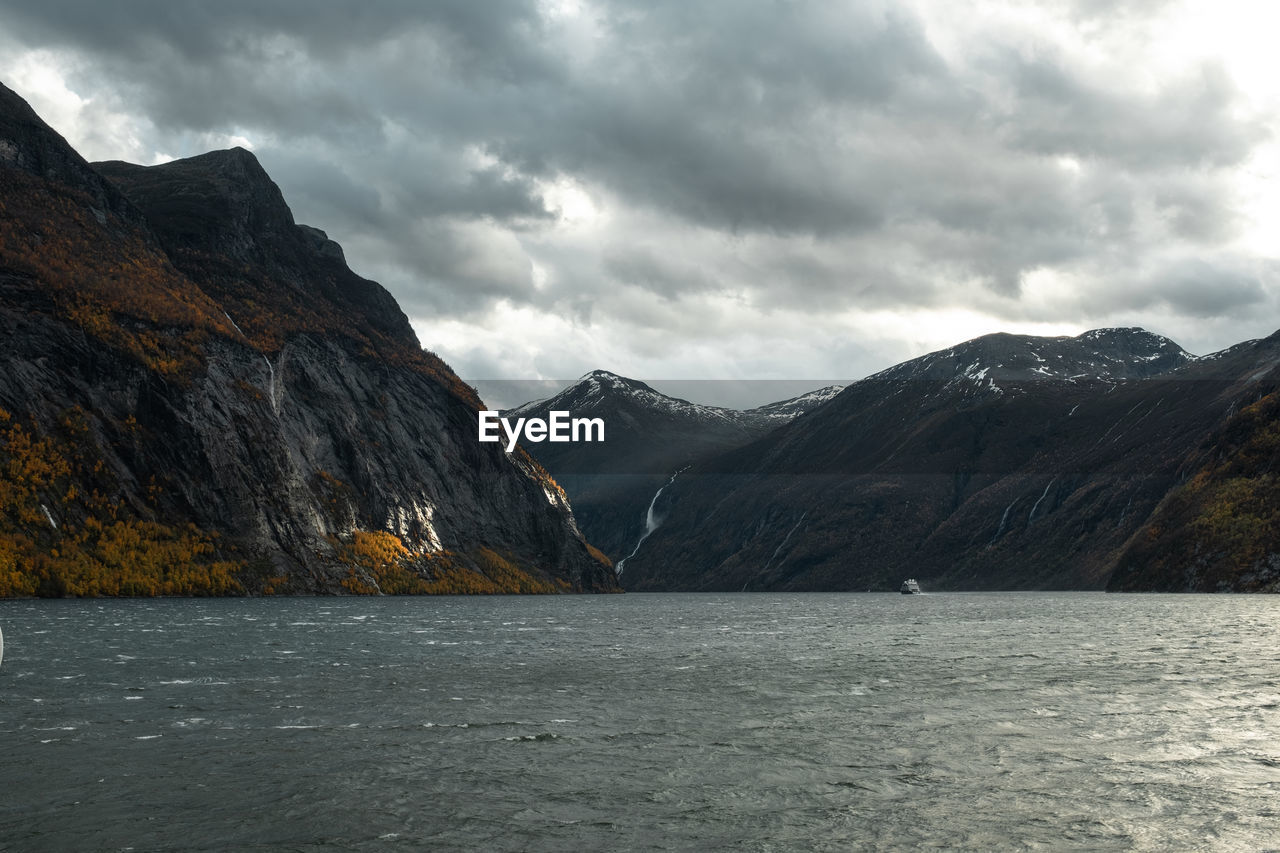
x,y
725,189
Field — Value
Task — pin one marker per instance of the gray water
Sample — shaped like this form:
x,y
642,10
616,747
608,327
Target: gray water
x,y
642,722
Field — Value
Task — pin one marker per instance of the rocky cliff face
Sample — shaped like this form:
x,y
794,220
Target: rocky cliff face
x,y
198,396
1004,463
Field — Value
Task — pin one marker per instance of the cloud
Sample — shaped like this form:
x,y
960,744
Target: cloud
x,y
667,184
1186,123
1198,288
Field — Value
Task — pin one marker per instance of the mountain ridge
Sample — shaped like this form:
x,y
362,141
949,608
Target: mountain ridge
x,y
596,384
1114,353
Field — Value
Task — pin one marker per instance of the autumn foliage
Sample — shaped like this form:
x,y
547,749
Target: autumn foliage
x,y
1222,527
108,278
61,534
380,564
66,528
121,290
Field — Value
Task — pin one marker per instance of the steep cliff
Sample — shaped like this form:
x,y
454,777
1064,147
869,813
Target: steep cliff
x,y
198,396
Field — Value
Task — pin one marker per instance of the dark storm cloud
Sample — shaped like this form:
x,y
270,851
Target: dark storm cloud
x,y
737,116
1188,123
493,34
298,67
1202,289
658,272
327,188
802,156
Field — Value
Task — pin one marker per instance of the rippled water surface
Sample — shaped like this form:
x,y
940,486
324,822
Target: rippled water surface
x,y
638,722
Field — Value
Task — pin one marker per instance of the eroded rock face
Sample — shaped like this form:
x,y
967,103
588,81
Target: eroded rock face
x,y
191,356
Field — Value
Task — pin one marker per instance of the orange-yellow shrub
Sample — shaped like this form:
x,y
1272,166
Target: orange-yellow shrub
x,y
96,548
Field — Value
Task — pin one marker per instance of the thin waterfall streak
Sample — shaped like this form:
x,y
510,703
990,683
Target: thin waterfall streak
x,y
1032,514
784,542
271,382
233,324
1004,520
271,386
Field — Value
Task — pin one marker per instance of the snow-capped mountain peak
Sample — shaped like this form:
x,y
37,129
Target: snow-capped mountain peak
x,y
1109,355
785,410
602,391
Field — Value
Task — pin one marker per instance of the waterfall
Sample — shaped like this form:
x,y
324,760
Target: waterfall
x,y
651,522
1004,520
271,386
233,325
271,381
1031,515
782,544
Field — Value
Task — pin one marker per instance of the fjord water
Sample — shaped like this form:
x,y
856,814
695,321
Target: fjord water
x,y
642,722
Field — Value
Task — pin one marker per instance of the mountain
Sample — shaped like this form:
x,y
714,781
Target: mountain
x,y
648,436
198,396
1007,462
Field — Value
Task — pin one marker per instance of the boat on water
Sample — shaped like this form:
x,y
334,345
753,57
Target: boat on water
x,y
910,587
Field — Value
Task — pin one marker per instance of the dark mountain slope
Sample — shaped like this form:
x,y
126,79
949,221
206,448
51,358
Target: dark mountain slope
x,y
938,469
197,396
648,436
1220,529
225,224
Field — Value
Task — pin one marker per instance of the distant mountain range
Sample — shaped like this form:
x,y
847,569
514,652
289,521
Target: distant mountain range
x,y
1113,459
648,436
198,396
